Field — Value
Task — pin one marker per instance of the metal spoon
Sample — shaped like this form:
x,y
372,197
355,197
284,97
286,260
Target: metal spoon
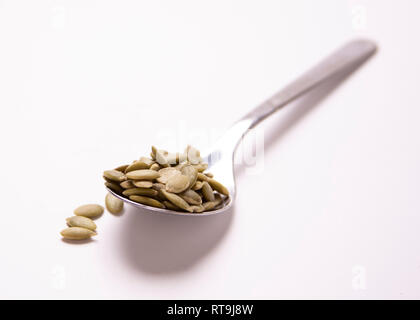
x,y
220,158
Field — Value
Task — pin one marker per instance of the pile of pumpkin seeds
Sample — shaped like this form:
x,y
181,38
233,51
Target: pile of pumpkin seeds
x,y
173,181
81,225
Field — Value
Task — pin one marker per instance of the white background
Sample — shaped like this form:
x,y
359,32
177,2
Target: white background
x,y
87,85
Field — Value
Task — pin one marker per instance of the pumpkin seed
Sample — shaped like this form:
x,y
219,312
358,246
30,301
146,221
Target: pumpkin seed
x,y
146,160
146,174
147,201
210,175
114,175
113,204
169,205
176,200
191,173
167,173
81,222
177,183
89,210
197,186
127,184
137,165
193,155
155,167
218,187
154,150
143,184
201,167
158,186
207,192
202,177
191,197
197,209
121,168
77,233
210,205
140,192
114,187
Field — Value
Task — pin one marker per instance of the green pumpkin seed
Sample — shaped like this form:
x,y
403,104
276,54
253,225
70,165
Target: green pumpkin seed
x,y
202,177
143,184
193,155
191,173
169,205
147,201
201,167
177,200
191,197
197,186
167,173
207,192
113,204
146,160
209,205
77,233
114,187
177,183
137,165
146,174
127,184
114,175
154,150
121,168
140,192
218,187
197,209
155,167
89,211
81,222
210,175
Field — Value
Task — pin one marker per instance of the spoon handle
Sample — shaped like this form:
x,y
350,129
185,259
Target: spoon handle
x,y
352,53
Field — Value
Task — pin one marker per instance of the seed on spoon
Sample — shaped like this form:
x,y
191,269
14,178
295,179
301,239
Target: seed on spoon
x,y
140,192
202,177
191,173
137,165
142,184
145,174
147,201
169,205
127,184
114,175
197,186
177,184
114,187
155,167
177,200
218,187
207,192
121,168
167,173
191,197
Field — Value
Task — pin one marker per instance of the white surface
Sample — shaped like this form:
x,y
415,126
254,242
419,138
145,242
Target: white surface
x,y
334,213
